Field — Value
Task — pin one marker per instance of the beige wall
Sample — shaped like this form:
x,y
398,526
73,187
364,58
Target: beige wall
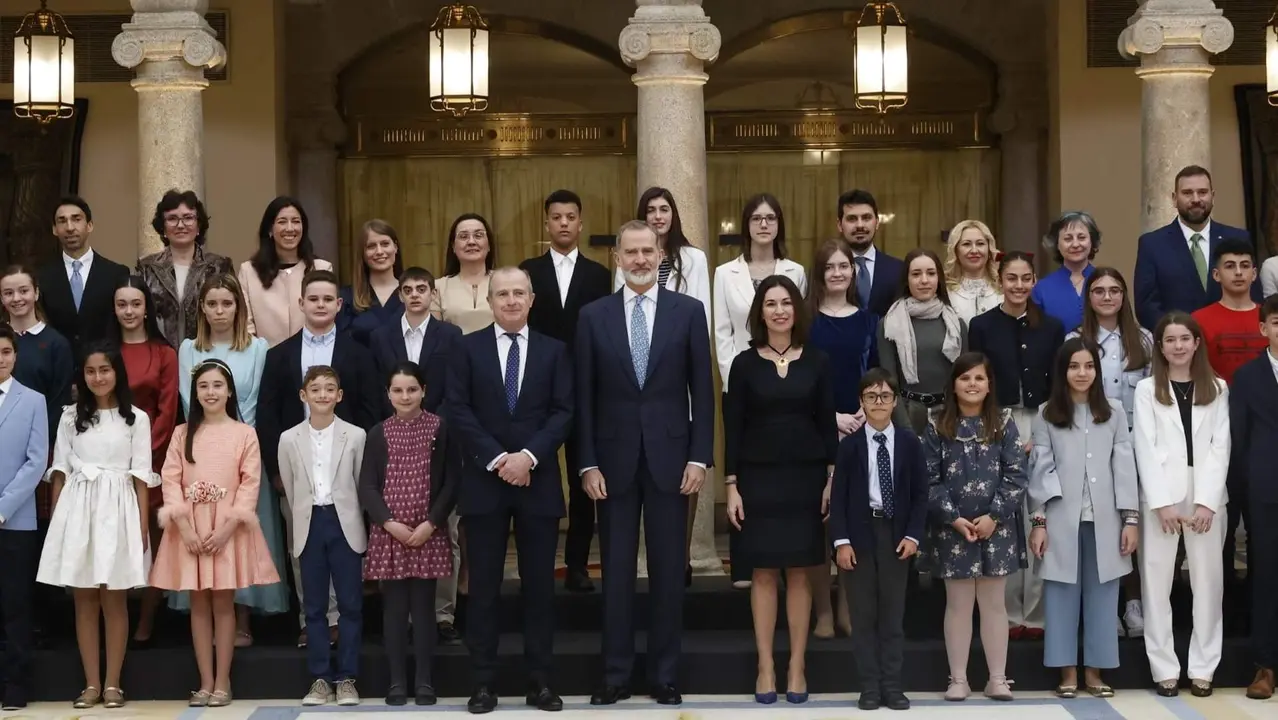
x,y
1096,151
243,157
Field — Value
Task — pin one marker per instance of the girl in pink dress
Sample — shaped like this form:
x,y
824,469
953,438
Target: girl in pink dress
x,y
212,544
408,487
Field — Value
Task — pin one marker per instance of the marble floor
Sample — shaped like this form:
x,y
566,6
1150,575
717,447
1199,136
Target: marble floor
x,y
1131,705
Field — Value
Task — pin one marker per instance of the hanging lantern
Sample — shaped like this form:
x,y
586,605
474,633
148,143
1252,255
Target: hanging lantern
x,y
43,67
1271,58
459,60
882,60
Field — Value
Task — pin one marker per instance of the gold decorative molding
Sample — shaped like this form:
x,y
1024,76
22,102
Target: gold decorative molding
x,y
515,135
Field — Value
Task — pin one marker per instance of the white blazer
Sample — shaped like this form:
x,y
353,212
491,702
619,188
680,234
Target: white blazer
x,y
733,297
1160,450
696,278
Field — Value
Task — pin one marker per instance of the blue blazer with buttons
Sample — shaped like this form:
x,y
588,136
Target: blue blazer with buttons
x,y
1166,278
850,495
24,457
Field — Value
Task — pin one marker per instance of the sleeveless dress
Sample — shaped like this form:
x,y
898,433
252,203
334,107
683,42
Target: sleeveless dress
x,y
409,446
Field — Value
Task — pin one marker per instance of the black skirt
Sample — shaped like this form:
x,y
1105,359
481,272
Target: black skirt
x,y
782,526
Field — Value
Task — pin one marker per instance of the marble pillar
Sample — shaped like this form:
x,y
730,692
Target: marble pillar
x,y
1174,40
168,44
314,141
669,42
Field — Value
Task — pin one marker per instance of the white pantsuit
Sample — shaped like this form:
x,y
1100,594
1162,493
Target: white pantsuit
x,y
1166,480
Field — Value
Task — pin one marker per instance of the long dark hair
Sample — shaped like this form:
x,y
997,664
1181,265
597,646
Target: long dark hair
x,y
759,328
1200,372
150,323
1033,313
991,415
751,205
20,269
1136,350
86,403
816,276
920,252
195,417
265,262
1059,410
452,263
675,239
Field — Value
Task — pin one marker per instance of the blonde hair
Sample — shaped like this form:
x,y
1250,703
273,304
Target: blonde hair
x,y
953,275
240,338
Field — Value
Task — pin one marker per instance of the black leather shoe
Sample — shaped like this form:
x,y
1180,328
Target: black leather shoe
x,y
687,576
425,695
15,698
896,700
610,695
396,695
578,581
542,698
870,700
448,634
667,695
483,701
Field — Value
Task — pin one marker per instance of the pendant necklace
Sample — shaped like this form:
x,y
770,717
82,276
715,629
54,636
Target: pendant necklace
x,y
1187,394
781,360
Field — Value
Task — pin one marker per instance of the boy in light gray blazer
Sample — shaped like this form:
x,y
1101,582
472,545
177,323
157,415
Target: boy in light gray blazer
x,y
320,462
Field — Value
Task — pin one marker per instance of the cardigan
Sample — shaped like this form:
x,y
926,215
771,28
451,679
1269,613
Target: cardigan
x,y
445,463
45,365
1022,356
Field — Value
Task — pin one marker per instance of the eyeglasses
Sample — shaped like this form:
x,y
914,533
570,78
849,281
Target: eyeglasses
x,y
1107,291
180,219
763,219
477,235
877,398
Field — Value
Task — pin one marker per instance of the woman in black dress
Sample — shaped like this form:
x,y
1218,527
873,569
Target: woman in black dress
x,y
780,443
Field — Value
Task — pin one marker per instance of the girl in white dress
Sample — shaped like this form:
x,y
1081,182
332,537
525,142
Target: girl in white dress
x,y
97,543
971,269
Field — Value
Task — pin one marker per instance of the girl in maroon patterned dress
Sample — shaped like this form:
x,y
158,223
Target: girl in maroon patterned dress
x,y
407,487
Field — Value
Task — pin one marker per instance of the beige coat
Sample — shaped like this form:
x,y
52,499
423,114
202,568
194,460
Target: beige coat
x,y
275,313
296,462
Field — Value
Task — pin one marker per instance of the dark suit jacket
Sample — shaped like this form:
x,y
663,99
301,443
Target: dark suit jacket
x,y
886,284
549,316
96,316
1022,356
1253,429
486,428
850,495
616,419
1166,279
279,407
387,346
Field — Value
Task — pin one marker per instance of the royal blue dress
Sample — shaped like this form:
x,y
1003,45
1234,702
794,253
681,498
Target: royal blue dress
x,y
849,343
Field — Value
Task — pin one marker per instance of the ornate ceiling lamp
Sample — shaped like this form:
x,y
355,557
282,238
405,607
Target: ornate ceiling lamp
x,y
44,67
1271,58
881,79
459,60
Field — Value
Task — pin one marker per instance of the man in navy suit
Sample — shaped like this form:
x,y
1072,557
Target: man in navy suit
x,y
1173,263
1253,425
878,275
877,508
643,369
417,337
510,402
25,430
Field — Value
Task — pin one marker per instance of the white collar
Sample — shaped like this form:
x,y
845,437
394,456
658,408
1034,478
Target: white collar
x,y
1189,232
889,431
404,327
523,331
6,387
85,260
1273,361
560,258
34,329
1103,334
324,434
869,254
324,337
628,294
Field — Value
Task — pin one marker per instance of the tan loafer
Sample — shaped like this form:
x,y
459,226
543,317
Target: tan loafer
x,y
88,697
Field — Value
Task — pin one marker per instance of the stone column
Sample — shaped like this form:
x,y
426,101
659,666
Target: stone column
x,y
169,45
669,42
1020,119
1174,40
315,140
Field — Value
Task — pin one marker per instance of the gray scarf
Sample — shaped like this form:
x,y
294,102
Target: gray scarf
x,y
898,328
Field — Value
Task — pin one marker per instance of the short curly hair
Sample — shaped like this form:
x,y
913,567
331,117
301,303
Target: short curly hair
x,y
171,201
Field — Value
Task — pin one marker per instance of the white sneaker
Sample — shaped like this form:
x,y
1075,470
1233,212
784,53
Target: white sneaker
x,y
1134,619
321,693
1122,631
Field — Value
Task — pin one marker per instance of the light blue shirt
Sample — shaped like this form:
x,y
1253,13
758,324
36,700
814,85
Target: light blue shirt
x,y
246,366
317,350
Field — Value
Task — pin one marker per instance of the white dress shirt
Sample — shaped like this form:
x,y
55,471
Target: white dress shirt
x,y
1205,232
322,464
870,256
649,310
503,353
413,336
1273,363
317,350
872,460
6,387
564,266
86,262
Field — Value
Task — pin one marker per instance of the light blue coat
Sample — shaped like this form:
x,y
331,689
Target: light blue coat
x,y
24,425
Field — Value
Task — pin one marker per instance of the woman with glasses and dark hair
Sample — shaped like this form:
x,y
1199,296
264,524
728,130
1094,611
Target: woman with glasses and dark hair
x,y
1073,240
461,295
779,447
272,278
372,299
176,273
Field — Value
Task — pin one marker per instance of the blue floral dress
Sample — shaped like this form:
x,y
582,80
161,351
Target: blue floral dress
x,y
968,478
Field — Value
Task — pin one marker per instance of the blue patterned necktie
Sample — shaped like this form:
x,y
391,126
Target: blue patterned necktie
x,y
77,283
512,372
639,342
885,476
863,281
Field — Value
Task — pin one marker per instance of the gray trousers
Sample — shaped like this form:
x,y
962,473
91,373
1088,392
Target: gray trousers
x,y
446,588
876,602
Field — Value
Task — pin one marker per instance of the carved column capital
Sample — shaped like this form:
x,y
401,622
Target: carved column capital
x,y
180,42
669,40
1176,24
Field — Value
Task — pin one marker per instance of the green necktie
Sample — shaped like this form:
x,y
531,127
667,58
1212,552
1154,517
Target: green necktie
x,y
1200,260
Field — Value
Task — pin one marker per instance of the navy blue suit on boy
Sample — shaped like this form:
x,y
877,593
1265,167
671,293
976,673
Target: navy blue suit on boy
x,y
874,523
